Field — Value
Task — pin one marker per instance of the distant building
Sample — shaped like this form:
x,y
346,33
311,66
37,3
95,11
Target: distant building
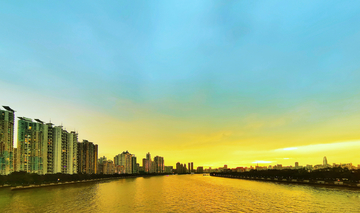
x,y
148,160
325,163
200,169
296,164
189,168
192,167
152,167
168,169
87,157
159,164
181,168
124,159
178,167
7,118
105,166
145,165
134,165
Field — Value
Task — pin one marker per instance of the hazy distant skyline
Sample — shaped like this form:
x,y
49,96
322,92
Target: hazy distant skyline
x,y
209,82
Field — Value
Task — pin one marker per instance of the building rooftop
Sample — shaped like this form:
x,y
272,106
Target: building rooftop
x,y
8,108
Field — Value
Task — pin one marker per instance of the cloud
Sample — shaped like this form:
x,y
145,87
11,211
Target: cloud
x,y
322,147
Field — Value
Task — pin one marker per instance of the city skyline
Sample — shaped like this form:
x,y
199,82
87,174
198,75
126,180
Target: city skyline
x,y
215,83
119,159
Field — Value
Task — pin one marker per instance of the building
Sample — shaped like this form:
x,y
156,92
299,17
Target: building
x,y
296,164
73,138
200,169
325,163
15,160
124,159
32,146
105,166
152,167
189,168
168,169
145,165
159,164
7,118
134,165
181,168
192,167
148,160
87,154
56,149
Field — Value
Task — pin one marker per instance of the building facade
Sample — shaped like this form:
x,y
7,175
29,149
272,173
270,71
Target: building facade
x,y
124,159
159,164
87,154
32,147
7,118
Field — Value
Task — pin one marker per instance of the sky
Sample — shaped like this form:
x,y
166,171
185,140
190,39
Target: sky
x,y
211,82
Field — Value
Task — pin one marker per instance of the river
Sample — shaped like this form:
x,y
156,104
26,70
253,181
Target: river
x,y
181,193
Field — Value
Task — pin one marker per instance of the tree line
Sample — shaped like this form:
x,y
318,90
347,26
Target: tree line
x,y
24,178
327,174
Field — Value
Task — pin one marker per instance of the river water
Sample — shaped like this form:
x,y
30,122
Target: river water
x,y
181,193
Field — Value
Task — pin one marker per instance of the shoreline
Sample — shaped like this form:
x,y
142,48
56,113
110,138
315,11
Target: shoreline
x,y
292,181
32,186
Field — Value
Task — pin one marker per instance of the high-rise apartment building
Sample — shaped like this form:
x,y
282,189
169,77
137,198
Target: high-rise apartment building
x,y
68,152
7,118
148,158
56,149
124,159
87,157
32,146
145,165
134,165
192,167
73,139
159,164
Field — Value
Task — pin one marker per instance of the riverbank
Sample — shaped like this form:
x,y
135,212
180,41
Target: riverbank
x,y
290,180
61,183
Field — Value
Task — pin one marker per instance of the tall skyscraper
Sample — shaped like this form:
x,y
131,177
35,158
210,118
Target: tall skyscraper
x,y
7,117
148,158
189,168
87,157
325,161
192,167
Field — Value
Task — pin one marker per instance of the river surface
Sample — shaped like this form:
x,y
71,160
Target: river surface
x,y
181,193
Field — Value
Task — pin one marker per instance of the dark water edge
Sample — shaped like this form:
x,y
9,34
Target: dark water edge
x,y
340,184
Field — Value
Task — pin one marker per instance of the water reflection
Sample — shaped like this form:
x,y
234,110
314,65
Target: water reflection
x,y
181,193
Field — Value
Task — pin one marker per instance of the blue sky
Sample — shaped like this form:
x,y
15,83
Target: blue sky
x,y
204,63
